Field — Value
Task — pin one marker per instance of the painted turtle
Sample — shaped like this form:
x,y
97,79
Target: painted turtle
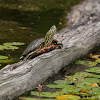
x,y
42,45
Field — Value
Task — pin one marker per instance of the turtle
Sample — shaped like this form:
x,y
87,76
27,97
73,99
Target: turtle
x,y
41,45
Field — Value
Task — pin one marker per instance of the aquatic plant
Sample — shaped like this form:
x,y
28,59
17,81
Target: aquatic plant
x,y
8,46
82,85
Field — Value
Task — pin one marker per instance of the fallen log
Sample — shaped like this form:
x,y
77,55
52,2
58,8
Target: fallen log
x,y
81,34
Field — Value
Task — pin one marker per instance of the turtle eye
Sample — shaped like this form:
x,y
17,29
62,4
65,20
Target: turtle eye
x,y
55,43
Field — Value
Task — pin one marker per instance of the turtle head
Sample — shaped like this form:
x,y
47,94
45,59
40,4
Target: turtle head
x,y
53,28
51,32
49,36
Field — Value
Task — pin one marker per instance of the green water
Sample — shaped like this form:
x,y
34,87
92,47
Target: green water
x,y
36,15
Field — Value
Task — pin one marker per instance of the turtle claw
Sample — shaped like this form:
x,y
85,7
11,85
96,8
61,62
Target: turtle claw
x,y
60,45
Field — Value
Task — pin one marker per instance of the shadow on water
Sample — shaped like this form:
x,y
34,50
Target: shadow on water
x,y
38,20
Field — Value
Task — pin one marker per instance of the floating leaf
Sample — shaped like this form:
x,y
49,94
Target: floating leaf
x,y
94,69
85,90
94,92
95,56
46,94
94,84
68,97
62,82
88,63
13,43
98,60
91,64
78,76
26,98
56,86
80,62
5,61
71,78
83,94
11,47
82,74
69,89
96,76
83,84
2,47
88,91
92,80
96,97
3,57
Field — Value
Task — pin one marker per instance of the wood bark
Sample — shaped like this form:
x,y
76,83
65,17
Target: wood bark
x,y
81,34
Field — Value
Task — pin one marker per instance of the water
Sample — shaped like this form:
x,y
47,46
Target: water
x,y
37,16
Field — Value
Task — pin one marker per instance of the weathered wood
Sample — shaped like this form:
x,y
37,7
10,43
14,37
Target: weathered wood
x,y
80,36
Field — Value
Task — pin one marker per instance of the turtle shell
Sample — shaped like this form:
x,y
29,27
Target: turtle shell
x,y
33,46
39,44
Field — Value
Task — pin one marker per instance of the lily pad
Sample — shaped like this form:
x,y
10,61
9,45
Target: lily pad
x,y
71,78
80,62
85,90
13,43
2,47
78,76
46,94
83,84
94,92
68,97
5,61
96,76
95,56
94,70
62,82
92,98
92,80
3,57
26,98
70,89
88,63
82,74
96,97
11,47
95,85
56,86
98,60
91,64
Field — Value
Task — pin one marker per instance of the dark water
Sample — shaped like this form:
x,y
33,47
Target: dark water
x,y
36,15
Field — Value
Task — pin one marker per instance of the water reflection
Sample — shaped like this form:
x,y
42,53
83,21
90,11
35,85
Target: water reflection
x,y
38,16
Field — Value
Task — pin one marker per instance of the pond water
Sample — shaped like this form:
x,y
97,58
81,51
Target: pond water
x,y
27,20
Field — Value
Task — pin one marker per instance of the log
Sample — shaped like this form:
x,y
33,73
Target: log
x,y
81,34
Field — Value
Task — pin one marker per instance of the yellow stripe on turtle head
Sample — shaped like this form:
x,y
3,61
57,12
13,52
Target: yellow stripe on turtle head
x,y
49,36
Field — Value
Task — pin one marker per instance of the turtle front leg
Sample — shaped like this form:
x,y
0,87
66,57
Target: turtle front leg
x,y
58,44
